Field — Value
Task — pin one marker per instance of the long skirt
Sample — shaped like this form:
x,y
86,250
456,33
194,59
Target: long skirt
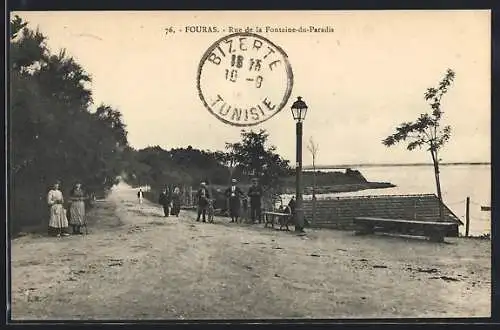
x,y
58,217
176,208
77,213
234,207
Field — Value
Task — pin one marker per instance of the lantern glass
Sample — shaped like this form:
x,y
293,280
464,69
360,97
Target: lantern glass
x,y
299,110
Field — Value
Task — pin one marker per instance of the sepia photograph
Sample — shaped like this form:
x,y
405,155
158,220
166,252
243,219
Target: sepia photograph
x,y
249,165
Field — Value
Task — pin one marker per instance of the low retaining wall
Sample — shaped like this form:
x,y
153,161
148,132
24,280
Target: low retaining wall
x,y
339,213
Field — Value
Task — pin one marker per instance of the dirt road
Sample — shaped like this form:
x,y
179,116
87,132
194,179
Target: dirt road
x,y
136,264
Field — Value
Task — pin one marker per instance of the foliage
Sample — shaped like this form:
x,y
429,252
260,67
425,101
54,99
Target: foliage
x,y
426,130
253,158
190,166
157,167
54,134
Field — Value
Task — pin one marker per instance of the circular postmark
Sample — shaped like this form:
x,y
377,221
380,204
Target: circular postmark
x,y
244,79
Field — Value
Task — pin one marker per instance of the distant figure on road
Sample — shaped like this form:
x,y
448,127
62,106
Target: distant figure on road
x,y
140,195
164,201
255,194
176,202
202,197
77,209
234,195
58,221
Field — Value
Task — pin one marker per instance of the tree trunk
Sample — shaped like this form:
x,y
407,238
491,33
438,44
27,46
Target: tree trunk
x,y
435,162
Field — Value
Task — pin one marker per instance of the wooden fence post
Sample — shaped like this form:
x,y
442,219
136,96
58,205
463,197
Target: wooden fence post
x,y
467,216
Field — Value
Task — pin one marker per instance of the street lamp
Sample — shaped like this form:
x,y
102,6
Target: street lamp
x,y
299,110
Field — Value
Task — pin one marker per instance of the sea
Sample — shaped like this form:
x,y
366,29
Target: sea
x,y
457,183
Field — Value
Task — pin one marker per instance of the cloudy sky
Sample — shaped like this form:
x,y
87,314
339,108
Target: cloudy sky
x,y
359,81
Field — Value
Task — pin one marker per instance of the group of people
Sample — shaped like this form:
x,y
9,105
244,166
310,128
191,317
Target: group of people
x,y
58,214
236,201
170,201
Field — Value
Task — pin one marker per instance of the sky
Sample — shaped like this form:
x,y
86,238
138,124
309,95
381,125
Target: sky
x,y
360,80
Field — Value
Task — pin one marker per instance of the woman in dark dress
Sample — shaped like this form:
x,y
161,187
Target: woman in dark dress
x,y
234,196
176,201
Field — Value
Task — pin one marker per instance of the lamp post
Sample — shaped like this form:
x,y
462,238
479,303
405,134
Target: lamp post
x,y
299,110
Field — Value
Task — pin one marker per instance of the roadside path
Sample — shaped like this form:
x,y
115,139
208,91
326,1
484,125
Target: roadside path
x,y
137,264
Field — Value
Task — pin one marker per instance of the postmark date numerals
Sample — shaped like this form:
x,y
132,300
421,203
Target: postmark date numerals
x,y
238,62
255,64
231,75
258,81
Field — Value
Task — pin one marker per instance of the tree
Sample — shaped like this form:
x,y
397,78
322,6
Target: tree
x,y
426,130
255,159
227,159
313,149
53,134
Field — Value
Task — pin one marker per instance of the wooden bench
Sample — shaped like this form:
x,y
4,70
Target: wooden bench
x,y
283,219
436,231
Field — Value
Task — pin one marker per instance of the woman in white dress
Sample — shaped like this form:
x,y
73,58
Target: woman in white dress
x,y
58,221
77,209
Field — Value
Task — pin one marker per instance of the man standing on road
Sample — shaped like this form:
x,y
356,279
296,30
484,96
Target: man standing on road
x,y
140,195
255,194
202,197
164,201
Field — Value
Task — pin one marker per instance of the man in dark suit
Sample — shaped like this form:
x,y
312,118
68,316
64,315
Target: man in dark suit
x,y
255,194
234,195
202,197
164,201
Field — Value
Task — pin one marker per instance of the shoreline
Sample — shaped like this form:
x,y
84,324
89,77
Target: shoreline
x,y
341,188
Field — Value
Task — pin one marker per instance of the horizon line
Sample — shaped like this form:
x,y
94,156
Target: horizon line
x,y
345,166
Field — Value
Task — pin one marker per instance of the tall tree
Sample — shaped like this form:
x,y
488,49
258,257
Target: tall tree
x,y
427,130
53,133
257,159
